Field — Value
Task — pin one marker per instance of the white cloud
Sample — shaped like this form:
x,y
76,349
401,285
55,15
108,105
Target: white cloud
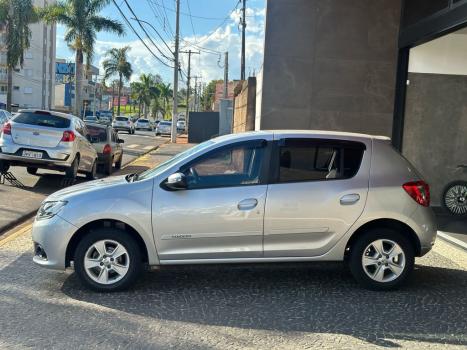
x,y
227,37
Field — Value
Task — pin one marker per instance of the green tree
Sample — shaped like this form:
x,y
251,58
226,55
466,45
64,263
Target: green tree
x,y
207,99
165,94
83,21
16,16
148,91
117,63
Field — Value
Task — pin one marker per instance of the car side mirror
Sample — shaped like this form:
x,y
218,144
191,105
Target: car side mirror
x,y
120,141
176,182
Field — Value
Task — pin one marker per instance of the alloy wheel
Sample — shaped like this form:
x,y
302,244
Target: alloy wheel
x,y
383,260
106,262
456,199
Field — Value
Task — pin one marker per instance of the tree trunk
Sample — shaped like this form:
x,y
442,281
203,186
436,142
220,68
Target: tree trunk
x,y
113,99
78,81
9,88
120,82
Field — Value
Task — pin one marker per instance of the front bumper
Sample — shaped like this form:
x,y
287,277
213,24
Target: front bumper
x,y
53,236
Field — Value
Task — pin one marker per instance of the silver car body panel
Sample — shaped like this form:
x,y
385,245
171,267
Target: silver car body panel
x,y
48,140
206,226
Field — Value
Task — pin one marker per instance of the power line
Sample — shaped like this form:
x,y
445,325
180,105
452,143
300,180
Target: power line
x,y
161,18
147,35
149,24
139,37
191,18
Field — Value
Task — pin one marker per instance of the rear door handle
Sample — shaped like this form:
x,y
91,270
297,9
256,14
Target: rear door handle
x,y
247,204
350,199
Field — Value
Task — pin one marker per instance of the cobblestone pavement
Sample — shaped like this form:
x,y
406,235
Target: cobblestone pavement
x,y
233,307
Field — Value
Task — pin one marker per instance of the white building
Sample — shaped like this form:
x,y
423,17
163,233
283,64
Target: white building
x,y
33,84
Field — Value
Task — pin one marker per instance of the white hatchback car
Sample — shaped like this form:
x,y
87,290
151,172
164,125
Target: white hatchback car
x,y
49,140
282,196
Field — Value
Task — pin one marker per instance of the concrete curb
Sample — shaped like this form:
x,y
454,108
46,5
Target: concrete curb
x,y
453,241
143,154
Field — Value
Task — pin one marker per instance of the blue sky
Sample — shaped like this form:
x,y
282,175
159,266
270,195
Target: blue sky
x,y
213,25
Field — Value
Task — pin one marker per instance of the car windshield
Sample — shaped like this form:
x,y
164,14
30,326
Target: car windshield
x,y
143,121
167,164
121,119
165,123
99,133
42,119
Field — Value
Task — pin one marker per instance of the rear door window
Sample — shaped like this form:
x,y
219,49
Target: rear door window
x,y
42,119
121,119
96,133
317,160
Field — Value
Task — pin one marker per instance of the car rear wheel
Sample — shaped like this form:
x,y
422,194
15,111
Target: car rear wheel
x,y
72,171
92,174
108,260
4,166
31,170
108,166
455,198
118,164
381,259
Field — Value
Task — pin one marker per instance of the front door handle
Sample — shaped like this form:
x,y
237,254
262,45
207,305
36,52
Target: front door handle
x,y
350,199
247,204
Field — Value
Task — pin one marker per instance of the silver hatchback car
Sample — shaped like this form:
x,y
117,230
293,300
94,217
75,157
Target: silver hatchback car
x,y
50,140
282,196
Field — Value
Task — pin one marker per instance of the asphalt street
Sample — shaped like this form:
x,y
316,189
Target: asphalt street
x,y
288,306
16,202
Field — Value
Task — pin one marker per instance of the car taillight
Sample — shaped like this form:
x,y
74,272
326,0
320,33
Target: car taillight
x,y
68,136
7,129
419,191
107,149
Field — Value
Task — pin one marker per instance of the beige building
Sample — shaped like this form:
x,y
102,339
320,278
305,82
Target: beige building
x,y
33,84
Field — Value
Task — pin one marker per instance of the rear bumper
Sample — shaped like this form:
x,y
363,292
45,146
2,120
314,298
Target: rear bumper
x,y
122,128
423,221
52,158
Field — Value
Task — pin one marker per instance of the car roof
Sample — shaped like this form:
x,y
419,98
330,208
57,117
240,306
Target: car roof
x,y
297,133
58,114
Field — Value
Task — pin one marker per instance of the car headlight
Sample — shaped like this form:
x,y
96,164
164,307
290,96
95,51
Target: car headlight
x,y
50,209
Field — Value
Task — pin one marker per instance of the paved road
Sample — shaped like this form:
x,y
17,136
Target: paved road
x,y
16,202
233,307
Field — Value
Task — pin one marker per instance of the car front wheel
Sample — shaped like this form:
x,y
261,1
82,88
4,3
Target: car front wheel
x,y
381,259
108,260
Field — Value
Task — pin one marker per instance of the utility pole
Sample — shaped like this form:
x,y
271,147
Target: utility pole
x,y
173,137
226,75
196,94
242,73
188,81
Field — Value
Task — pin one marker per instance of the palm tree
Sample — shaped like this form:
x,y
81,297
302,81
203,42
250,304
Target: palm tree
x,y
83,22
165,94
148,90
16,15
117,63
137,95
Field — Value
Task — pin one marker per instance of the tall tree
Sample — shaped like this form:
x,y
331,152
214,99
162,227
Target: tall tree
x,y
149,90
165,95
83,21
117,63
16,16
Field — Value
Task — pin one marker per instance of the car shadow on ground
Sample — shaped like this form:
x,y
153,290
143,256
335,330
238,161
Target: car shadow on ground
x,y
310,298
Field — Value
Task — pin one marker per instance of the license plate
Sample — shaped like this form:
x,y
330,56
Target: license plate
x,y
32,154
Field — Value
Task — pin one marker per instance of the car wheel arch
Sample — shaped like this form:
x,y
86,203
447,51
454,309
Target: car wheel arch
x,y
104,223
385,223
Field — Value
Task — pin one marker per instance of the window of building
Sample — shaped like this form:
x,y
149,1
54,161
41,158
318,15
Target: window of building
x,y
237,166
16,88
314,160
27,90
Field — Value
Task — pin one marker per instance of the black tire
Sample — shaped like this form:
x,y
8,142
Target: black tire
x,y
455,206
118,164
359,247
4,166
121,237
72,171
108,166
31,170
92,174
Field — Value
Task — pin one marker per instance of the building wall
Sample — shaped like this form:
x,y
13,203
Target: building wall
x,y
330,65
436,109
244,107
33,84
